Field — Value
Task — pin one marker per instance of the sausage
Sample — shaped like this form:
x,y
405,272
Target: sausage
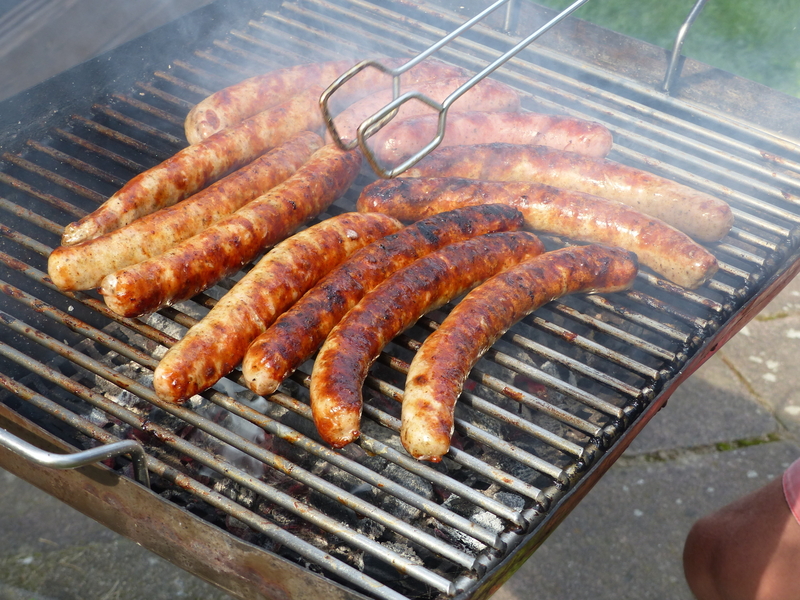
x,y
297,333
700,215
213,346
82,266
443,362
352,346
223,248
486,95
240,101
193,168
669,252
399,140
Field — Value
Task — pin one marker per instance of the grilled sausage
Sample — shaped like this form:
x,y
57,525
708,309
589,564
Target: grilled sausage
x,y
297,333
486,95
700,215
441,366
193,168
83,266
223,248
399,140
213,347
575,215
238,102
352,346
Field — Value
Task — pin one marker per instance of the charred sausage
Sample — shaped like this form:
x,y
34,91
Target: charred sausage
x,y
220,250
441,366
215,345
297,333
193,168
486,95
232,105
83,266
399,140
575,215
352,346
700,215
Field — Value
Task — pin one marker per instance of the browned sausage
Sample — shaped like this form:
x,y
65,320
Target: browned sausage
x,y
700,215
83,266
297,333
399,140
345,357
233,104
487,95
193,168
213,347
667,251
441,366
223,248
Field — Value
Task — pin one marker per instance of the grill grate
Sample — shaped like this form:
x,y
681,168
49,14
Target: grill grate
x,y
540,409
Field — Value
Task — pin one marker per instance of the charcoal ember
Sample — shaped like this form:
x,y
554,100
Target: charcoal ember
x,y
371,529
511,500
381,570
409,481
352,556
333,508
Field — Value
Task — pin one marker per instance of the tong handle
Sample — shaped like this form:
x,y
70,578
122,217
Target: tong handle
x,y
377,121
79,459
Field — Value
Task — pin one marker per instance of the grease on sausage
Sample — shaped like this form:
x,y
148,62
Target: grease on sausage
x,y
214,346
353,345
669,252
223,248
82,266
399,140
700,215
195,167
297,333
443,362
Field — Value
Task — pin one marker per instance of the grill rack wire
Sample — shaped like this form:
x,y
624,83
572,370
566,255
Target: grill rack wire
x,y
540,409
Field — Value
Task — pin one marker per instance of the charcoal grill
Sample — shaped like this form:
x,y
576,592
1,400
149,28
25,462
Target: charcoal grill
x,y
242,492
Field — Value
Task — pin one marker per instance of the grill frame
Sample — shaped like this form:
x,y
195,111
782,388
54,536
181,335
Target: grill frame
x,y
654,397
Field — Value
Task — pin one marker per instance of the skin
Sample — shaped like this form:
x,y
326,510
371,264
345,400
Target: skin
x,y
747,550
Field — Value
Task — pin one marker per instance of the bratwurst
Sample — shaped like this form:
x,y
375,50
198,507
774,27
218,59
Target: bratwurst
x,y
399,140
486,95
215,345
297,333
82,266
223,248
443,362
234,104
193,168
575,215
699,215
353,345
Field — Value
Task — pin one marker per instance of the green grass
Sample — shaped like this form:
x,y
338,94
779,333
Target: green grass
x,y
757,39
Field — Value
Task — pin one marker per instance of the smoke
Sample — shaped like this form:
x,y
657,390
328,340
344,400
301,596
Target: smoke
x,y
41,38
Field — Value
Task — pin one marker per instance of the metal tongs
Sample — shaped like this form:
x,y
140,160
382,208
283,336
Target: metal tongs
x,y
377,121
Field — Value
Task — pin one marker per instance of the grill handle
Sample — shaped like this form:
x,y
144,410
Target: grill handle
x,y
676,47
377,121
79,459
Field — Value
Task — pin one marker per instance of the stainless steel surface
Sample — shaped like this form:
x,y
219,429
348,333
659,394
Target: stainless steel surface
x,y
678,44
384,116
544,413
74,460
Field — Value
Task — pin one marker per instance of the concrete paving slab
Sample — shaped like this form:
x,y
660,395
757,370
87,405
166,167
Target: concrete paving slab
x,y
49,551
764,355
625,540
712,407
